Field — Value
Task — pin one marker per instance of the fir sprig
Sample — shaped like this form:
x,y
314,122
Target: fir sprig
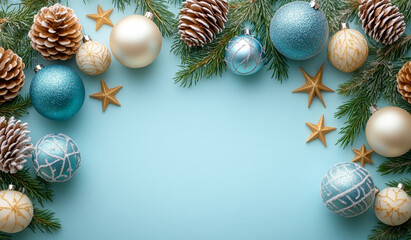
x,y
5,236
396,165
17,107
45,221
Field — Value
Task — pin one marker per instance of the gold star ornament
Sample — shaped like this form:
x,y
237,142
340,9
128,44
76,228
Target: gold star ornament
x,y
107,95
101,17
362,155
313,86
319,131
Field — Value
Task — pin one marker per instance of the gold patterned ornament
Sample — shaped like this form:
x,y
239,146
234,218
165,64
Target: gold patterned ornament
x,y
392,206
362,155
107,95
101,17
319,131
16,211
313,86
93,58
347,49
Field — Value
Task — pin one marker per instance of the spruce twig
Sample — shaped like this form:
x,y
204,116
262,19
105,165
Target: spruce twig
x,y
397,165
386,232
5,236
45,221
17,108
405,181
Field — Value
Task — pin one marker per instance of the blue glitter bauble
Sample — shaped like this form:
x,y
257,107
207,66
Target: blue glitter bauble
x,y
347,189
245,54
56,158
299,31
57,92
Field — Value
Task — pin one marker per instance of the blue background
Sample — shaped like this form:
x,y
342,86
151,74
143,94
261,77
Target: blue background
x,y
226,159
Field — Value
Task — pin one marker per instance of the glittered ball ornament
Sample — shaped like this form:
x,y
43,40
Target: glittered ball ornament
x,y
16,210
347,189
56,158
347,49
299,30
93,58
392,206
57,92
135,41
245,54
388,131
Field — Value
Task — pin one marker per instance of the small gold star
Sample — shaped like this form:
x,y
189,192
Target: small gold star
x,y
107,95
313,85
102,17
319,131
363,155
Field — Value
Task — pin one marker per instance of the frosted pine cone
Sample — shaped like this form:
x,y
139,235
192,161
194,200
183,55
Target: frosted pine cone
x,y
12,77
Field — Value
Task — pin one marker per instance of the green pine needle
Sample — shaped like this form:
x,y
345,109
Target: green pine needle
x,y
5,236
17,108
397,165
45,221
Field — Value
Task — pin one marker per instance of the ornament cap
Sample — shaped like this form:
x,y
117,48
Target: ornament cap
x,y
149,15
246,31
345,25
86,38
374,108
11,187
376,190
314,5
401,186
38,67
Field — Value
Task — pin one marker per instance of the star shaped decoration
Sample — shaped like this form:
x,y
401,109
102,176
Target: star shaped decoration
x,y
362,155
319,131
107,95
101,17
313,86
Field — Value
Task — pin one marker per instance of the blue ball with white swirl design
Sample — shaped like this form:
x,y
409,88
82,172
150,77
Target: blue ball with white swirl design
x,y
298,31
245,54
347,189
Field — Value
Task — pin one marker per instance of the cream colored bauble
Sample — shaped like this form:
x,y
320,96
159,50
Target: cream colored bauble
x,y
347,49
16,211
392,206
93,58
135,41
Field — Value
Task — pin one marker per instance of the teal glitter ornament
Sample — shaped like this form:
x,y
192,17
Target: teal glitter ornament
x,y
57,92
56,158
245,54
299,30
347,189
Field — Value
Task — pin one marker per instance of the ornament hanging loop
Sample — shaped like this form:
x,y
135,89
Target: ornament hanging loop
x,y
373,108
314,4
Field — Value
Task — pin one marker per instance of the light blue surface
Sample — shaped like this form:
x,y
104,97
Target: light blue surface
x,y
224,160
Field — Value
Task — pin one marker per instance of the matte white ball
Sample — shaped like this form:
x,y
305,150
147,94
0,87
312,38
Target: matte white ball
x,y
16,211
392,206
93,58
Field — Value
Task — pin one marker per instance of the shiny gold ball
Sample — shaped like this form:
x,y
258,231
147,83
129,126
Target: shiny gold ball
x,y
388,131
135,41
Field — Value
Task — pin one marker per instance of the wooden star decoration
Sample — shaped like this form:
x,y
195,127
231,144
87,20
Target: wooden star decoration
x,y
107,95
319,131
101,17
362,155
313,86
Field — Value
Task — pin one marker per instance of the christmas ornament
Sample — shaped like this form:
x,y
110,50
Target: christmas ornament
x,y
12,77
347,49
299,30
56,158
139,48
313,86
404,81
93,58
388,131
319,131
101,17
381,20
201,20
245,54
347,189
107,95
15,145
362,155
392,206
56,92
56,32
16,211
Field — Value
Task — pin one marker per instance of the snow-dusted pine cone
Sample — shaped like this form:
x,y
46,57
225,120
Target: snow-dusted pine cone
x,y
201,20
15,145
56,32
404,81
12,77
381,20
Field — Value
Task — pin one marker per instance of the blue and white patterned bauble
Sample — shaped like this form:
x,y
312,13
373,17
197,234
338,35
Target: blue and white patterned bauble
x,y
56,158
347,189
245,54
299,31
57,92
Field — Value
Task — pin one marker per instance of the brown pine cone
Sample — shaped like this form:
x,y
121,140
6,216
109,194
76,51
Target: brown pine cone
x,y
12,77
404,81
56,32
381,20
201,20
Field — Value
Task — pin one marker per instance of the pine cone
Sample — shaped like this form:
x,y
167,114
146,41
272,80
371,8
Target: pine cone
x,y
15,145
56,32
381,20
404,81
201,20
12,77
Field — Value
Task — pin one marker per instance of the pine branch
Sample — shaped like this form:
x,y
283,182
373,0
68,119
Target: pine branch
x,y
5,236
332,9
17,108
396,165
45,221
385,232
405,8
405,181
